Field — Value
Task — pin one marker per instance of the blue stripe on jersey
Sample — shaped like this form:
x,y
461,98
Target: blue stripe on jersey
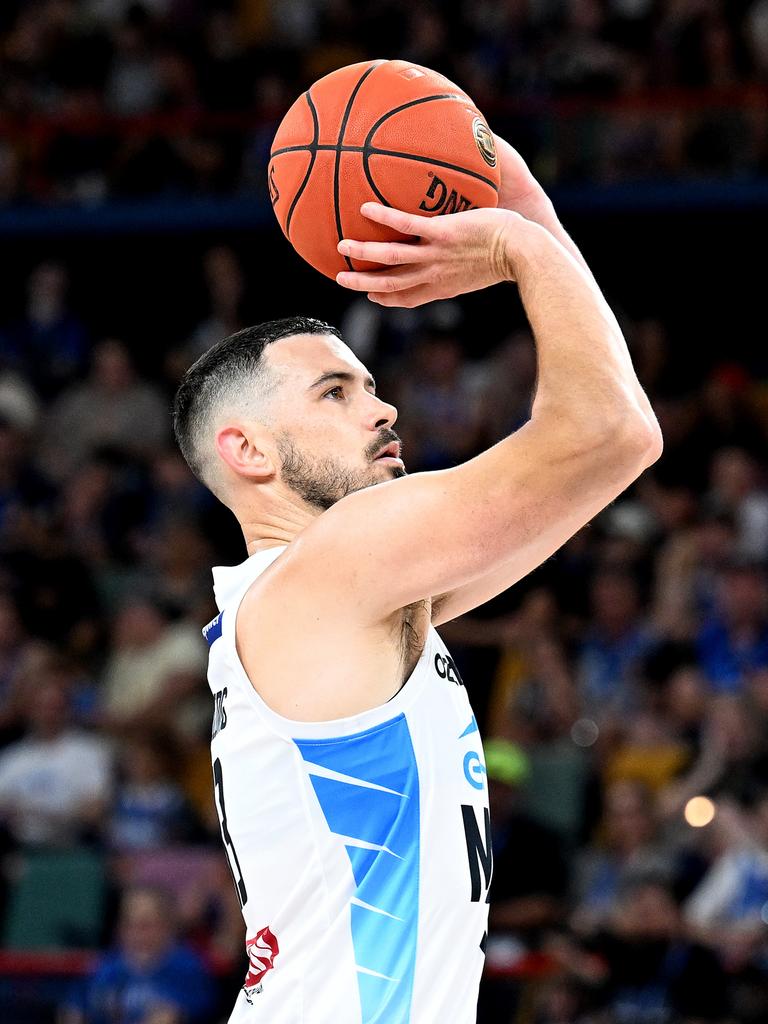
x,y
367,785
212,631
472,727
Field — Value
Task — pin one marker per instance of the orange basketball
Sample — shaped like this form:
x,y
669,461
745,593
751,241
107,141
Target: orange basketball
x,y
382,130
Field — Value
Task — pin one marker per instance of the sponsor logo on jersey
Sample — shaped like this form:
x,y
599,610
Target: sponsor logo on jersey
x,y
474,769
219,712
212,631
261,950
445,667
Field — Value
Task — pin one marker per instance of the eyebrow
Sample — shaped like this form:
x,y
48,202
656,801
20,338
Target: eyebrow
x,y
344,375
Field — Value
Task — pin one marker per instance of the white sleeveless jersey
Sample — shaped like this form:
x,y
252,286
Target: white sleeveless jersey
x,y
360,847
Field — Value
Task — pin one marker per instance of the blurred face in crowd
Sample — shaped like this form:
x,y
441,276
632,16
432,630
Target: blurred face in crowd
x,y
138,624
112,369
326,427
49,710
146,928
742,597
441,359
686,695
733,475
615,602
648,912
10,625
47,287
629,818
143,762
732,726
715,540
224,277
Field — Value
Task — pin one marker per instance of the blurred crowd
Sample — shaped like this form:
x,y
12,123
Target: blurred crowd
x,y
623,687
115,97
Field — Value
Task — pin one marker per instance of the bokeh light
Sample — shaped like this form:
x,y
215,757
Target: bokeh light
x,y
699,811
584,732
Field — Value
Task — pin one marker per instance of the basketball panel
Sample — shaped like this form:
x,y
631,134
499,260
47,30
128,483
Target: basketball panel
x,y
285,177
332,94
313,225
423,188
392,84
448,130
297,127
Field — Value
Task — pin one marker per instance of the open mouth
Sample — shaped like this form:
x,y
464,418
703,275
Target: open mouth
x,y
390,453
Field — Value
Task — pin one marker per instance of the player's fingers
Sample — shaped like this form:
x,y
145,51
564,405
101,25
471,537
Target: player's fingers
x,y
407,299
407,223
379,280
389,253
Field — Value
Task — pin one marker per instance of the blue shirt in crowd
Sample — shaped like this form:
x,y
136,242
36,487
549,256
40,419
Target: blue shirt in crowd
x,y
724,660
117,991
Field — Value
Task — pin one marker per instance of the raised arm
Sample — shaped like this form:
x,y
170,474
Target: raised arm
x,y
590,434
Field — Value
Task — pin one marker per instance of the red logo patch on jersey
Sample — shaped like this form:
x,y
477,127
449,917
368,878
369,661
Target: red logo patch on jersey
x,y
261,950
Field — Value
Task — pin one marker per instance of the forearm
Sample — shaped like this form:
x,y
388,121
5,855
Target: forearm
x,y
585,373
538,207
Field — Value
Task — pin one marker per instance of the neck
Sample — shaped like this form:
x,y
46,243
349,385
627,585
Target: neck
x,y
270,530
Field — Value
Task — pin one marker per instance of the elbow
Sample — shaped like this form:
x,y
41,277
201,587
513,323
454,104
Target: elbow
x,y
637,440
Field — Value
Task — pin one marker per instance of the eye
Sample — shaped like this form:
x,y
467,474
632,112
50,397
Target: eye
x,y
336,393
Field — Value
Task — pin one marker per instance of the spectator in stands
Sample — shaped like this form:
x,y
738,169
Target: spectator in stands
x,y
180,570
24,493
439,408
155,671
530,873
148,978
736,488
617,638
114,407
54,783
727,909
734,640
631,847
225,288
14,646
48,345
148,808
648,972
529,878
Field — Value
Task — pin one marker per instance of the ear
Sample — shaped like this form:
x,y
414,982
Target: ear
x,y
243,454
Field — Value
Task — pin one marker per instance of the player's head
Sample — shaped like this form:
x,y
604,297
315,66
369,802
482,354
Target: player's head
x,y
286,406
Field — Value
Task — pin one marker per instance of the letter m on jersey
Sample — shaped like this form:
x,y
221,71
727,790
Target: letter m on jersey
x,y
479,852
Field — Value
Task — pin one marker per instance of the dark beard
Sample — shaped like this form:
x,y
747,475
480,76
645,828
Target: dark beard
x,y
323,482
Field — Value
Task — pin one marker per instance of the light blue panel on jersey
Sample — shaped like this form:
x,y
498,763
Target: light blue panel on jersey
x,y
368,787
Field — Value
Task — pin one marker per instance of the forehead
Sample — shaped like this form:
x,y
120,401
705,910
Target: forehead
x,y
304,357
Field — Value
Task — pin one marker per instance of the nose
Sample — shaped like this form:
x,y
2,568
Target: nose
x,y
382,414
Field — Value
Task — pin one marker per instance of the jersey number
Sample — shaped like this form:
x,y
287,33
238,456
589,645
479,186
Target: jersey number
x,y
234,863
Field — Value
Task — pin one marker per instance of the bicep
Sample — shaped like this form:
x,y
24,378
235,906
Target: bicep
x,y
501,513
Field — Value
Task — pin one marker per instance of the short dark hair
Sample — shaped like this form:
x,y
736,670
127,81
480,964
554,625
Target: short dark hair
x,y
221,371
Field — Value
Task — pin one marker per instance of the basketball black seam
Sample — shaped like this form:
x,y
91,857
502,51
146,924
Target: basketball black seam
x,y
369,150
404,106
375,151
431,160
312,148
336,170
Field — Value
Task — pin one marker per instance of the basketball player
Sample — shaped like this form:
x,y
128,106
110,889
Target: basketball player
x,y
349,773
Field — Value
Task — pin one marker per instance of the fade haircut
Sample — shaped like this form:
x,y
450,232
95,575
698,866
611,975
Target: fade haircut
x,y
222,378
